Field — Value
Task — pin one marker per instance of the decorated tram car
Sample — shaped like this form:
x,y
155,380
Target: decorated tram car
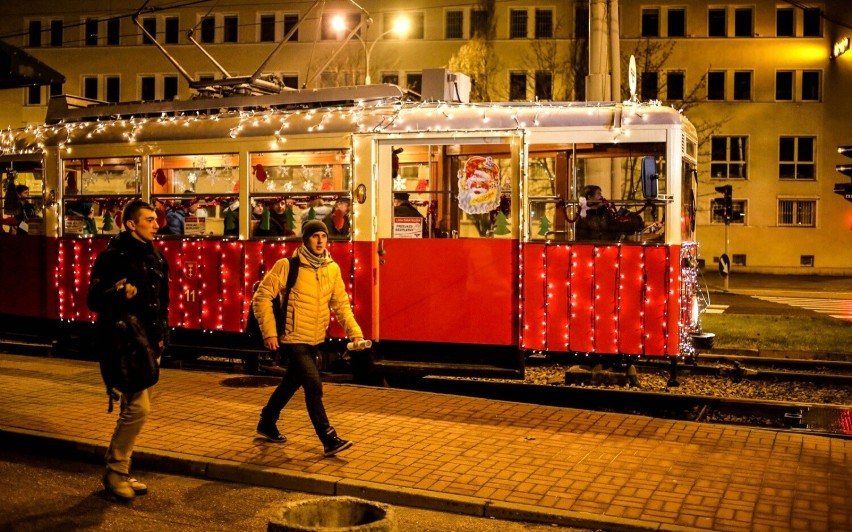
x,y
457,226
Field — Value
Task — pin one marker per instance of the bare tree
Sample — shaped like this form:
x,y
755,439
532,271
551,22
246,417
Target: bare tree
x,y
476,58
566,59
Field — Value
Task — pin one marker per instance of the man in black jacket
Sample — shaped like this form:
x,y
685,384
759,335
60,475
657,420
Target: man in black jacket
x,y
129,289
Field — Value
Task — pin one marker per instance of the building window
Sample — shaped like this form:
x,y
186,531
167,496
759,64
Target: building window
x,y
290,81
267,28
744,22
415,30
518,23
650,22
172,30
208,29
414,82
57,36
728,157
35,33
230,28
55,89
650,86
112,92
812,24
390,78
90,87
478,22
148,88
806,261
170,87
796,213
543,85
91,32
738,259
581,21
350,22
796,158
454,25
290,22
34,95
150,25
717,23
742,86
785,22
716,86
717,211
674,85
517,86
810,85
784,86
114,32
676,24
543,23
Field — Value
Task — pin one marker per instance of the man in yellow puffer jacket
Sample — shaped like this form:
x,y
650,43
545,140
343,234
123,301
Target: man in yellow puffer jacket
x,y
319,286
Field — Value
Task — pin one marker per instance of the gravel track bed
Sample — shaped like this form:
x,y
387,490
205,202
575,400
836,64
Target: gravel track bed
x,y
656,381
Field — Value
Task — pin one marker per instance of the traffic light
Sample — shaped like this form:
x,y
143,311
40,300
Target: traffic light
x,y
727,209
844,189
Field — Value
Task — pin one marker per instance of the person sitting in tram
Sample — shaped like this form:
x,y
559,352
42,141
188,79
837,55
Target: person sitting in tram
x,y
402,207
176,216
591,222
274,222
22,210
316,209
338,221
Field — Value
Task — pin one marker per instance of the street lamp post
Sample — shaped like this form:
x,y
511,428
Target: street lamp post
x,y
400,27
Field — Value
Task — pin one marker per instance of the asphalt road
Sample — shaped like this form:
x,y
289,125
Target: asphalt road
x,y
48,494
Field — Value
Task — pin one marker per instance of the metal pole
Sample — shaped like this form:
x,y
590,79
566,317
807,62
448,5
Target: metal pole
x,y
727,224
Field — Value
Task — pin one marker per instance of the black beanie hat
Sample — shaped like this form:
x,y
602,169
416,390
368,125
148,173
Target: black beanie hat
x,y
311,227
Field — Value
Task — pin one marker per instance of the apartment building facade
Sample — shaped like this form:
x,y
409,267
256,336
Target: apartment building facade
x,y
757,78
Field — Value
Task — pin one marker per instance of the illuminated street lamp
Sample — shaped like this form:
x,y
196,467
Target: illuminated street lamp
x,y
839,48
400,27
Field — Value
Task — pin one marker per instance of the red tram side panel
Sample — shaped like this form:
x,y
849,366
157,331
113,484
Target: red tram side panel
x,y
601,299
211,280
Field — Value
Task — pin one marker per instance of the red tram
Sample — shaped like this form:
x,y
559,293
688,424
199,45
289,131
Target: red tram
x,y
490,267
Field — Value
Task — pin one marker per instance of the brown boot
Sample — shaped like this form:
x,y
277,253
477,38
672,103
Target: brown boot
x,y
118,485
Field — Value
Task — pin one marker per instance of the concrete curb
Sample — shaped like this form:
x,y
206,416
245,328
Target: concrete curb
x,y
28,441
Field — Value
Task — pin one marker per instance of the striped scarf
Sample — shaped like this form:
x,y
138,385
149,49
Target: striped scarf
x,y
314,261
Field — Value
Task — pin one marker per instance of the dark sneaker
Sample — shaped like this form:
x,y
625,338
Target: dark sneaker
x,y
335,445
138,487
270,432
118,485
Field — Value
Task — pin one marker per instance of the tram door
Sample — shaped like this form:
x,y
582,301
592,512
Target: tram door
x,y
448,256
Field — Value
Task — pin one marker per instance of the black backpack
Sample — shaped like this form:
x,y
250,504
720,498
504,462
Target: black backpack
x,y
279,304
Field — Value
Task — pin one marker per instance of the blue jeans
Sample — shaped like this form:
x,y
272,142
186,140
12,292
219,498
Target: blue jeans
x,y
301,371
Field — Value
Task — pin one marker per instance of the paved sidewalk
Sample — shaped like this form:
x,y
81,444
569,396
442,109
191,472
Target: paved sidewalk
x,y
466,455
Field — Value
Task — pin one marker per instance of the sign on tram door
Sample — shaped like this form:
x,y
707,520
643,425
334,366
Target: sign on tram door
x,y
407,227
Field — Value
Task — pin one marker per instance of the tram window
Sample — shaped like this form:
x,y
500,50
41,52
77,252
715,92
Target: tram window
x,y
558,174
197,193
14,205
461,191
290,187
95,191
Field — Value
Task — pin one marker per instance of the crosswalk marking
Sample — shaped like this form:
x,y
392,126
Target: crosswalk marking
x,y
836,308
715,309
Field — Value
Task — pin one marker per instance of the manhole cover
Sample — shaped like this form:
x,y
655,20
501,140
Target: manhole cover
x,y
251,382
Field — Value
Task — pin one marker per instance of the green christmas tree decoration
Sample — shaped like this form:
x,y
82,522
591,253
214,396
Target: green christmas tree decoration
x,y
264,219
543,226
291,220
501,224
108,222
312,214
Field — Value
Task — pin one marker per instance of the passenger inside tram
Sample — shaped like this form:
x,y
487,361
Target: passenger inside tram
x,y
338,221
